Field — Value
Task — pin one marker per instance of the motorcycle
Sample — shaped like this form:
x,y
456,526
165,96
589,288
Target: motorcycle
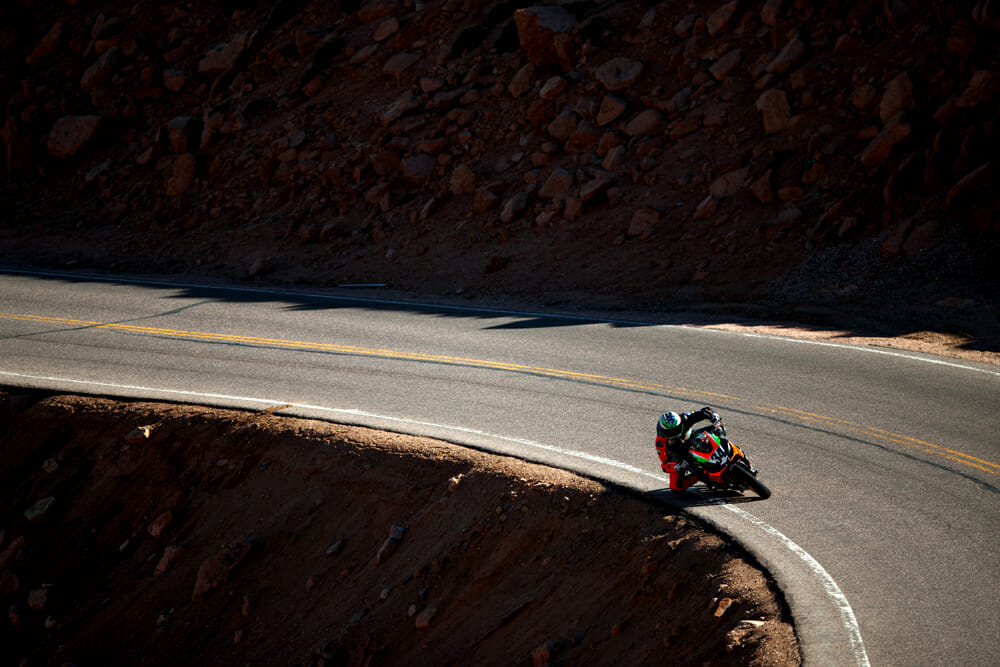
x,y
721,464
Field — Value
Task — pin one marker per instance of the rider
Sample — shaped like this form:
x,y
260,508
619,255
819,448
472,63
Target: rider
x,y
672,445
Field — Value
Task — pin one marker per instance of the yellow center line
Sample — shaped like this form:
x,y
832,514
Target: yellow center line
x,y
350,349
928,447
800,415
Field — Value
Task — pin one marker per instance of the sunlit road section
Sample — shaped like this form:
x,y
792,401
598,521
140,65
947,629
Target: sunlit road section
x,y
883,528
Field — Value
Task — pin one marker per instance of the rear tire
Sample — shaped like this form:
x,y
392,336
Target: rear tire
x,y
742,476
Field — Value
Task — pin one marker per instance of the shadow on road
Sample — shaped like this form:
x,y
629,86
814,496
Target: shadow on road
x,y
499,313
698,496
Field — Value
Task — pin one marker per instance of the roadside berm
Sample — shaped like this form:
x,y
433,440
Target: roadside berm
x,y
162,534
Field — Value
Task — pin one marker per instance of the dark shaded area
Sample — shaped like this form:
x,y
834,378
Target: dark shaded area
x,y
979,329
815,235
234,537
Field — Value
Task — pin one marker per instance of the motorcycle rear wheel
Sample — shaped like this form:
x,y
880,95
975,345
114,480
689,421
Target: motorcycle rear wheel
x,y
742,476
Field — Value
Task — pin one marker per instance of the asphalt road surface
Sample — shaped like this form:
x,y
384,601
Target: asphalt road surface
x,y
884,526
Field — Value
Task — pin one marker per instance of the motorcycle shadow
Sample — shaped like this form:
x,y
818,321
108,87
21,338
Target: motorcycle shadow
x,y
699,496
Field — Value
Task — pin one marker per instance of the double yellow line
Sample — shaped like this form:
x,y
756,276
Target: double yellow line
x,y
791,413
869,431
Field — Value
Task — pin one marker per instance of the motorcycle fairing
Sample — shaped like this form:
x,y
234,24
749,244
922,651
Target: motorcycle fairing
x,y
709,451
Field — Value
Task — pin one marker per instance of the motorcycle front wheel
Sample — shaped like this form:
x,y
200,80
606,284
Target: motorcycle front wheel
x,y
742,476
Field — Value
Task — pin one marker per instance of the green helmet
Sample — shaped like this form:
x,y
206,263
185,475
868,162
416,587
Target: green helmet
x,y
671,424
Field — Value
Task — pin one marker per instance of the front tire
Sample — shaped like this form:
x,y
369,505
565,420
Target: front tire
x,y
742,476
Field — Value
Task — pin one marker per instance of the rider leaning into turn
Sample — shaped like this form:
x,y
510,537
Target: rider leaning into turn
x,y
672,445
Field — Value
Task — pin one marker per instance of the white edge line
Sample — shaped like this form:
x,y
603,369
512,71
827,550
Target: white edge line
x,y
847,616
843,346
498,311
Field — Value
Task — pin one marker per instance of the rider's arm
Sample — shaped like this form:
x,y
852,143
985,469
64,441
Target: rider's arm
x,y
705,414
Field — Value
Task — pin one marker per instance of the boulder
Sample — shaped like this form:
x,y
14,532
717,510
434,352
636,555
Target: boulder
x,y
920,238
773,106
523,81
391,543
789,56
646,123
878,149
730,183
160,524
564,125
898,96
484,201
224,56
386,29
722,18
173,79
397,65
99,74
982,89
722,67
611,110
463,180
407,102
598,185
214,571
538,29
976,182
70,134
557,185
48,43
418,169
424,618
514,207
761,188
182,176
619,73
39,510
707,208
553,87
373,10
584,137
170,556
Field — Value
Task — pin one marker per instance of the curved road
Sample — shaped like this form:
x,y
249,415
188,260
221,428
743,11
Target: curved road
x,y
883,529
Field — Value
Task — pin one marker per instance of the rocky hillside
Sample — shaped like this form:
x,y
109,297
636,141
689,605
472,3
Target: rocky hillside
x,y
636,153
152,534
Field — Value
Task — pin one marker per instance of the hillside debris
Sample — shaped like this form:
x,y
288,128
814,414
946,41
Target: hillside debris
x,y
175,120
489,541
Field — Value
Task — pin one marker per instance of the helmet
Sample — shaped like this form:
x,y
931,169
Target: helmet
x,y
670,423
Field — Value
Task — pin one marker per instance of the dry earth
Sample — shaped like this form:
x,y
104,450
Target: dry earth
x,y
153,534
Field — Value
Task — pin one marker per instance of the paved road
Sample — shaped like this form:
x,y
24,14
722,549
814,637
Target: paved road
x,y
883,529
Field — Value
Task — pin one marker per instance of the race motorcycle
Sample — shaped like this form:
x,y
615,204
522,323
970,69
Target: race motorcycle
x,y
722,465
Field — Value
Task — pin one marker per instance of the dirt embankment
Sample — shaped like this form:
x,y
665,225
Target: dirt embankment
x,y
229,537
